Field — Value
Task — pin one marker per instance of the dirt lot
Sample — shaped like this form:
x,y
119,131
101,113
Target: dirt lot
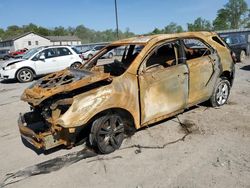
x,y
203,147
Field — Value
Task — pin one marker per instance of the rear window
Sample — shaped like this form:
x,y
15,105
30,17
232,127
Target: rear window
x,y
63,51
76,50
216,39
99,47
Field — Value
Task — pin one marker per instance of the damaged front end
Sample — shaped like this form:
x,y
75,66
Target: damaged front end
x,y
39,126
50,98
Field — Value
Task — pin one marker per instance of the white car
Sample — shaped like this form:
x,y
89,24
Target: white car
x,y
40,61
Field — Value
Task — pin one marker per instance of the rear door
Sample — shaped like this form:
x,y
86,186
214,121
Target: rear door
x,y
49,64
64,58
203,64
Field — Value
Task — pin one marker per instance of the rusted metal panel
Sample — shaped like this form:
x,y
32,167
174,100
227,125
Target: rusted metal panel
x,y
122,93
163,92
200,72
60,82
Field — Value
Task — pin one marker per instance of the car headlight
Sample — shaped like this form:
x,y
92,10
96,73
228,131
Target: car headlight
x,y
10,67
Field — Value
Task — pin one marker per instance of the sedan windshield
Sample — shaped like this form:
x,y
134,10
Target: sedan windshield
x,y
30,53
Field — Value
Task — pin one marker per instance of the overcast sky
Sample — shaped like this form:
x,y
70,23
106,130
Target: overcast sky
x,y
140,16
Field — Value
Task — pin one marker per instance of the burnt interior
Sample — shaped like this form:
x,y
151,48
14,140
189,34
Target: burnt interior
x,y
125,55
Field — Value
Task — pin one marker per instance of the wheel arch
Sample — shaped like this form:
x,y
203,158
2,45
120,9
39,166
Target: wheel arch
x,y
229,75
123,113
75,62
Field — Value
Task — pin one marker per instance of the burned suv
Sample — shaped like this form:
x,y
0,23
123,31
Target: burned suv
x,y
105,97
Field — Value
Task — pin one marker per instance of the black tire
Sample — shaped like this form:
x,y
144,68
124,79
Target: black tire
x,y
221,93
75,65
242,55
110,55
25,75
107,133
6,57
90,56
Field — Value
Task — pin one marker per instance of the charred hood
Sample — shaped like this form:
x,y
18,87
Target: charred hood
x,y
61,83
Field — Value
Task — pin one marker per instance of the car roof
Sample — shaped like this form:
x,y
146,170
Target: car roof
x,y
147,39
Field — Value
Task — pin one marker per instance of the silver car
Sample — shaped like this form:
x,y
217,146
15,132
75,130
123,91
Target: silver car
x,y
91,52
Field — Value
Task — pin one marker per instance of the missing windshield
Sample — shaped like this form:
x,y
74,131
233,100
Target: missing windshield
x,y
114,59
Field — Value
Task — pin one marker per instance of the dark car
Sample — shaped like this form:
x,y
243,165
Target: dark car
x,y
238,44
4,54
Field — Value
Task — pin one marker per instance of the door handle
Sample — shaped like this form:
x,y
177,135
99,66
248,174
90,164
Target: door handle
x,y
185,73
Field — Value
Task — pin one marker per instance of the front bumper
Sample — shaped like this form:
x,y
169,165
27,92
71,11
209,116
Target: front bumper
x,y
7,74
41,140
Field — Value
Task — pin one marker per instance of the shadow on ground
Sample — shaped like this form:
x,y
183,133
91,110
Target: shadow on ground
x,y
60,162
11,81
14,81
246,68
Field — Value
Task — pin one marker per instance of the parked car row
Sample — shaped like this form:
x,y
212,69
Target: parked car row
x,y
88,51
40,61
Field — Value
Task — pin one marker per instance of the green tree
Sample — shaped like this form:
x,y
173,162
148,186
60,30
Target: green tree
x,y
12,31
221,22
200,24
43,31
173,28
1,34
30,28
59,31
234,15
156,31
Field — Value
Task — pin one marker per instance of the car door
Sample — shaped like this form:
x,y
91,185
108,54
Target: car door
x,y
49,63
64,58
163,83
203,64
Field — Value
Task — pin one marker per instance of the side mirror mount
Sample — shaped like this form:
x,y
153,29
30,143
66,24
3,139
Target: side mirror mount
x,y
42,57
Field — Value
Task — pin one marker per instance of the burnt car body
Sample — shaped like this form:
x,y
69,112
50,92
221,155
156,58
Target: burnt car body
x,y
168,74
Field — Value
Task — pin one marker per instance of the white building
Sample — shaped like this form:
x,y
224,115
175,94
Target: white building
x,y
64,40
32,40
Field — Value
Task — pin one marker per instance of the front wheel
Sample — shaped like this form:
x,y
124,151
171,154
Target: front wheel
x,y
25,75
110,55
6,57
90,56
221,93
107,133
75,65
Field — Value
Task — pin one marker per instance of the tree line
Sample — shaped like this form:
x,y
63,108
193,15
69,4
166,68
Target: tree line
x,y
234,15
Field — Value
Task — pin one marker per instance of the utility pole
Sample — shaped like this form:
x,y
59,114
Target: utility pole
x,y
116,17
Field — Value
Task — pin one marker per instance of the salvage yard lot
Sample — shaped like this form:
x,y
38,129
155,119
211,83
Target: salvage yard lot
x,y
203,147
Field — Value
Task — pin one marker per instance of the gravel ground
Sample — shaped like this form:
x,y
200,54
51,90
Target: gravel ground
x,y
211,150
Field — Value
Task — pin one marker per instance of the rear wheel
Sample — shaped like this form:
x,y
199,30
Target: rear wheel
x,y
110,55
242,56
75,65
107,133
90,56
6,57
25,75
221,93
